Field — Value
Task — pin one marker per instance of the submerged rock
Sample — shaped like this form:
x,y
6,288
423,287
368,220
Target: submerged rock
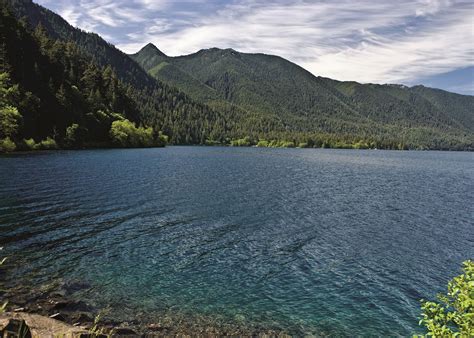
x,y
72,287
125,332
81,317
155,327
71,306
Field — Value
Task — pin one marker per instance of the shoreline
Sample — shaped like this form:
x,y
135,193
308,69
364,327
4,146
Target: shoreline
x,y
39,151
54,311
24,323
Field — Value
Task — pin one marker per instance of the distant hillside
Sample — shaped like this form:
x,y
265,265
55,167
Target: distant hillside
x,y
265,84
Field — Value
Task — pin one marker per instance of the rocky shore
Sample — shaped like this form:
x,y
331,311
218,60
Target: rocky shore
x,y
29,325
25,325
53,312
22,324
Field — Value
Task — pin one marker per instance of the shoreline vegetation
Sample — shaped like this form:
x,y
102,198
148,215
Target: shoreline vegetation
x,y
49,144
122,133
22,150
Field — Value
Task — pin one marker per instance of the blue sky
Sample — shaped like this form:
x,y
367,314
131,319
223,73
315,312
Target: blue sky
x,y
429,42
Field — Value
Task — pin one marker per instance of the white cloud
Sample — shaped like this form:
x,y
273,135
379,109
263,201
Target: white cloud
x,y
430,7
71,16
445,46
364,40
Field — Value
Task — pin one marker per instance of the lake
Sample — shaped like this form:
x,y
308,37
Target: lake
x,y
308,241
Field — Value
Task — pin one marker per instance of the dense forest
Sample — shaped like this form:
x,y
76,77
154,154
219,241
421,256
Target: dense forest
x,y
53,96
59,89
64,87
348,114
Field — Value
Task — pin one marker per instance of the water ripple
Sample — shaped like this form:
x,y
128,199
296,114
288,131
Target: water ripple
x,y
324,242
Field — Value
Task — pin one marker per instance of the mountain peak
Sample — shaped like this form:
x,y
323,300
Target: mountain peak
x,y
217,52
150,48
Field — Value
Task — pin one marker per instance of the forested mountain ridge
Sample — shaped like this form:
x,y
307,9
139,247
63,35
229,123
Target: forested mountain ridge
x,y
160,106
53,96
269,84
102,52
219,96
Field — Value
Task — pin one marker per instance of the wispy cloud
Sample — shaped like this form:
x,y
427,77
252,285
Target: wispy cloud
x,y
364,40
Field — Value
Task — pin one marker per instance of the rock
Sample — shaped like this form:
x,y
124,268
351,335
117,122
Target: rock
x,y
76,286
82,317
155,327
71,306
125,332
58,294
10,327
20,309
58,316
38,326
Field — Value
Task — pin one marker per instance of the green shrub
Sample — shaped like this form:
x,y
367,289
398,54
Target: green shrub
x,y
273,144
161,140
119,133
47,144
287,144
453,315
341,145
125,134
241,142
29,144
210,142
9,116
7,145
360,145
75,136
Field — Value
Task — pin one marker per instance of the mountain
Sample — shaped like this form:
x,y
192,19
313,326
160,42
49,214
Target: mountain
x,y
270,85
53,95
160,106
101,51
220,96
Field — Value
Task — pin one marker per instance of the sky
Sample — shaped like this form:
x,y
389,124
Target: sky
x,y
429,42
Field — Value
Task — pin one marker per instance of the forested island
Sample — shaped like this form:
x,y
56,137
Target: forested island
x,y
62,87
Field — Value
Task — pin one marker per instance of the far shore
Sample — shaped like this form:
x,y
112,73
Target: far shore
x,y
29,151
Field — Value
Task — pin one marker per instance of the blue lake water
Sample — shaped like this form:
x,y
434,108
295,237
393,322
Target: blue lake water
x,y
337,242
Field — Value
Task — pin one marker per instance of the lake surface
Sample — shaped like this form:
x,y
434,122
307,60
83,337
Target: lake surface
x,y
309,241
